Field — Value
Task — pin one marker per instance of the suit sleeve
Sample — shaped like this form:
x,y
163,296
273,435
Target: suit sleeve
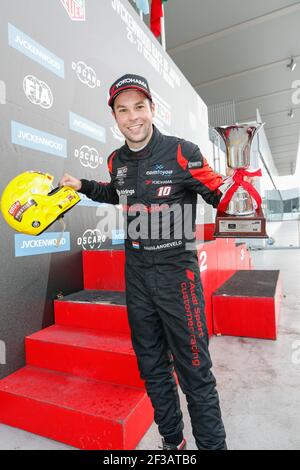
x,y
101,192
198,176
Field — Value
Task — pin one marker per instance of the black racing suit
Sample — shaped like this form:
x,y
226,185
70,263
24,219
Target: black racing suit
x,y
163,287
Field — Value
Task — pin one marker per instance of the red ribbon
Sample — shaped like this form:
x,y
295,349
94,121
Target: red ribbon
x,y
238,178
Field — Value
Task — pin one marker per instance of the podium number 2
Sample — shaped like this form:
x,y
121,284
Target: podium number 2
x,y
203,261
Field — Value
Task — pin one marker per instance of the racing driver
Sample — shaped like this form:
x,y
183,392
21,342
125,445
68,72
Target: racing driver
x,y
157,178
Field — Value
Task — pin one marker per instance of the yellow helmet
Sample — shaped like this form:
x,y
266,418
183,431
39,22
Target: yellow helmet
x,y
30,206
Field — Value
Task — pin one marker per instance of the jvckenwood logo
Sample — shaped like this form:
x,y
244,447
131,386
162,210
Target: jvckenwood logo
x,y
35,51
38,140
26,245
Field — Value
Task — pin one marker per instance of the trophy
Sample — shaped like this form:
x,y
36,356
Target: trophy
x,y
239,212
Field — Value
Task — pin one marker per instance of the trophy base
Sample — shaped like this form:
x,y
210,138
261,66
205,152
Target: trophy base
x,y
229,226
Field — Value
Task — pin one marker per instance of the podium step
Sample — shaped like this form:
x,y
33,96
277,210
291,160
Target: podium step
x,y
248,304
104,270
83,352
82,412
103,311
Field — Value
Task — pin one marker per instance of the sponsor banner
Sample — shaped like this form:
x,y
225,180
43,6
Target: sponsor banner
x,y
84,126
35,51
75,9
146,45
117,237
26,245
38,140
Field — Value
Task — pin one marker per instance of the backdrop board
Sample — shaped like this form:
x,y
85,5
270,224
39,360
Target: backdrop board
x,y
58,59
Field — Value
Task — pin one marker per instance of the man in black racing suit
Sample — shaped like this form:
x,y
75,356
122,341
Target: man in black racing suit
x,y
157,179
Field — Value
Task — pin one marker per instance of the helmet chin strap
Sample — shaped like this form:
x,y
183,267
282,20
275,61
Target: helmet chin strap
x,y
61,220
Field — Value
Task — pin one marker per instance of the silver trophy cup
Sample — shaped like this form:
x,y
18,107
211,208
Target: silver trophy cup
x,y
238,141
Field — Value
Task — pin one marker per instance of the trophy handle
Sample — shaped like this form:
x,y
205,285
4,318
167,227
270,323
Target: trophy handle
x,y
259,127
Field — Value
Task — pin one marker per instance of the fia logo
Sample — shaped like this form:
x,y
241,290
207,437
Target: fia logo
x,y
38,92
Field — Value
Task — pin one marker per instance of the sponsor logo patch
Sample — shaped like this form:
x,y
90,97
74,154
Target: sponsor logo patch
x,y
125,192
195,164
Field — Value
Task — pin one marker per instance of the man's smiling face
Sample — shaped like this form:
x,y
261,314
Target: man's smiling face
x,y
134,114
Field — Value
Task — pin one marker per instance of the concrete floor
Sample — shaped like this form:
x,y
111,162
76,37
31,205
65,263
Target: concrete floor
x,y
258,380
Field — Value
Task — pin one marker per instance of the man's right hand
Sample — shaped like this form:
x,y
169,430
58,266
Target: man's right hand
x,y
68,180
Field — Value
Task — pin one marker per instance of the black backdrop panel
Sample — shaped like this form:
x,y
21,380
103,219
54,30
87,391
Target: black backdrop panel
x,y
57,61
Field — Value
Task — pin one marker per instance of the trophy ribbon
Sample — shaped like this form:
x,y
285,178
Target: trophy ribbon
x,y
238,178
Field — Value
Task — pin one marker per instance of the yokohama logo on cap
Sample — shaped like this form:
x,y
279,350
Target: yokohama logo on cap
x,y
129,82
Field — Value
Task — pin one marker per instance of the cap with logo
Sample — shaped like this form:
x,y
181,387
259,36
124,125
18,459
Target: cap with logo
x,y
129,82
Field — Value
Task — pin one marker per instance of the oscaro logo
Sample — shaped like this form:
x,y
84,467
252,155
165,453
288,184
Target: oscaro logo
x,y
91,239
38,92
88,157
86,74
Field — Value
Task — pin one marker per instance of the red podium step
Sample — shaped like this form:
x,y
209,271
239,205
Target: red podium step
x,y
104,270
85,353
104,311
78,411
81,385
248,304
